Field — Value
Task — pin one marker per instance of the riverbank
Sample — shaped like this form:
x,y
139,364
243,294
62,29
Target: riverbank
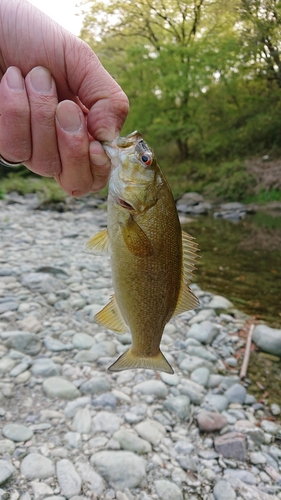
x,y
70,429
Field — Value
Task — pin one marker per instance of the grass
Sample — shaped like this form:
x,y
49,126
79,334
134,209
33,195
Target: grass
x,y
265,196
46,189
224,181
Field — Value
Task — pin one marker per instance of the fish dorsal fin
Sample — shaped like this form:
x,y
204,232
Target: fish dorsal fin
x,y
98,244
189,249
186,301
135,238
110,317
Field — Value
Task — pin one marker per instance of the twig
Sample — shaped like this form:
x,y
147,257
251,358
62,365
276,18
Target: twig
x,y
246,359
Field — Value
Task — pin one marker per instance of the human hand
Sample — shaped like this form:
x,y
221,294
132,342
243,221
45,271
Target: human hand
x,y
57,102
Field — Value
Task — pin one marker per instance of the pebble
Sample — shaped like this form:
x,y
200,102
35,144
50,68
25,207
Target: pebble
x,y
82,421
122,469
57,387
68,478
130,441
268,339
151,431
236,394
45,367
71,429
204,332
180,405
224,491
107,422
210,421
17,432
35,466
200,376
167,490
95,385
154,387
231,445
25,342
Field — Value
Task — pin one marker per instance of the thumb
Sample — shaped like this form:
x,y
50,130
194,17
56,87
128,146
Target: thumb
x,y
107,103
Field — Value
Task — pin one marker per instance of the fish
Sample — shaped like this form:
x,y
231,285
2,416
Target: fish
x,y
152,259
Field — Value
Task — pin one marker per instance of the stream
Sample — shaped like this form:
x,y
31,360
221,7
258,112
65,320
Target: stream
x,y
242,262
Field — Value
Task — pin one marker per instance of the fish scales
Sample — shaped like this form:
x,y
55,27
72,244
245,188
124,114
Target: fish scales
x,y
151,260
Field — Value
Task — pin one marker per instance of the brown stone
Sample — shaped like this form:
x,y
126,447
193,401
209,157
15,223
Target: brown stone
x,y
232,445
209,421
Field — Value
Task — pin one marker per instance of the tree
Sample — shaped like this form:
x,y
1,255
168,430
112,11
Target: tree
x,y
158,50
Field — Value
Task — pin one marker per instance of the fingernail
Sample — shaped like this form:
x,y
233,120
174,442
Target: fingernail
x,y
41,79
68,116
14,79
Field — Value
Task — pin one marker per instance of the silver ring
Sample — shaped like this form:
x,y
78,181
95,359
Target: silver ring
x,y
6,163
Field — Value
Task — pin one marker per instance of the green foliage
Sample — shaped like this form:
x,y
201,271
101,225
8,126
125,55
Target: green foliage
x,y
234,182
203,79
47,189
265,196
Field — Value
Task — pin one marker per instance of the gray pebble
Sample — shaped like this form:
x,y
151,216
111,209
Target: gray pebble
x,y
236,394
45,367
122,469
130,441
224,491
180,405
68,478
72,407
17,432
58,387
167,490
154,387
107,422
96,385
200,376
83,341
82,421
35,466
25,342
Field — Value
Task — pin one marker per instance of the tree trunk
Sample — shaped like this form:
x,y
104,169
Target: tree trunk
x,y
183,149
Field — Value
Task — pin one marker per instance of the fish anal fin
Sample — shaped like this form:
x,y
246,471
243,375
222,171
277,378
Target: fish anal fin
x,y
98,244
110,317
129,361
135,238
186,301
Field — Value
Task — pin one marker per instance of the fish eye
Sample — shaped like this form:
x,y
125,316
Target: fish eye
x,y
146,159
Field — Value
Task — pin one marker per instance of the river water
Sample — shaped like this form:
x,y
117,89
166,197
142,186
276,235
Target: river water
x,y
242,261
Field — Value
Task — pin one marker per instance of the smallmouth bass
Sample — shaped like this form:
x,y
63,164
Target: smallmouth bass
x,y
152,259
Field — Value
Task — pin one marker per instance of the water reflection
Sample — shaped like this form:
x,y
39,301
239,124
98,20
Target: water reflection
x,y
242,261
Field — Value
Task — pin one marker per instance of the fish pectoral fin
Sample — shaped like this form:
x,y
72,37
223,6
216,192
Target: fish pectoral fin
x,y
98,244
186,301
135,238
110,317
128,361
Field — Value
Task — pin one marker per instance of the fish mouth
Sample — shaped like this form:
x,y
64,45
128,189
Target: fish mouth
x,y
123,142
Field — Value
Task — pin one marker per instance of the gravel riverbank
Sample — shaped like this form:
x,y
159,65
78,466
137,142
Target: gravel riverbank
x,y
72,430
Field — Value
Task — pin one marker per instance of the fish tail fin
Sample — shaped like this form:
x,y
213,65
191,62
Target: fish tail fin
x,y
128,361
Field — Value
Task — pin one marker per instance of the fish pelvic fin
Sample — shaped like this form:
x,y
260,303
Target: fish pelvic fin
x,y
98,244
111,317
128,361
